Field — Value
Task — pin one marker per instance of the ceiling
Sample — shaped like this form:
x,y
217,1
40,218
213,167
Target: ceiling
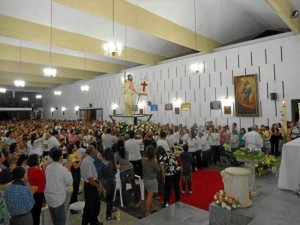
x,y
151,31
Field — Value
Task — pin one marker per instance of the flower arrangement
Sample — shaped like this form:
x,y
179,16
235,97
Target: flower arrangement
x,y
225,201
249,154
270,162
142,127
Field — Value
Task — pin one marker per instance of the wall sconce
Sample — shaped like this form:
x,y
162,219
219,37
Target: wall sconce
x,y
63,109
57,92
177,102
197,68
38,96
141,106
52,110
76,109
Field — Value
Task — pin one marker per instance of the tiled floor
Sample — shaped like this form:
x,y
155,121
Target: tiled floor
x,y
75,219
273,206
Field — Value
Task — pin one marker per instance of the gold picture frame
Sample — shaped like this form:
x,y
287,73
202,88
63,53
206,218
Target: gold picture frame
x,y
246,96
186,106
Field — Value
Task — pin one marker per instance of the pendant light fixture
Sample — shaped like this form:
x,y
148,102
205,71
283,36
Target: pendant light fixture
x,y
113,48
49,71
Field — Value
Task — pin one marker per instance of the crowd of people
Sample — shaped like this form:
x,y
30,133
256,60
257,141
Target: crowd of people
x,y
39,159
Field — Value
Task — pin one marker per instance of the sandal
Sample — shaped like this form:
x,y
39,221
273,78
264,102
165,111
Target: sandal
x,y
111,218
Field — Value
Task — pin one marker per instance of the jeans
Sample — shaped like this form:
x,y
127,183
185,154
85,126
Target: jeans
x,y
76,183
21,220
186,179
109,186
124,176
58,215
170,181
37,208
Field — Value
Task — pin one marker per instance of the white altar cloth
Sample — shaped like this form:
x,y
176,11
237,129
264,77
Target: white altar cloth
x,y
289,172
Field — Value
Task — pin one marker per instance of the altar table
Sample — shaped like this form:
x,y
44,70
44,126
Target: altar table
x,y
289,172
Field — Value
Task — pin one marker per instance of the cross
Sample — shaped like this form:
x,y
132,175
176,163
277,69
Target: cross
x,y
144,84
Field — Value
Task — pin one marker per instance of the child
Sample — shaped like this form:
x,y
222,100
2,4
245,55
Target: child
x,y
226,145
186,160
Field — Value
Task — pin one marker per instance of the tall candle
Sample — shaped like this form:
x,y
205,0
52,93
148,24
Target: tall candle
x,y
284,117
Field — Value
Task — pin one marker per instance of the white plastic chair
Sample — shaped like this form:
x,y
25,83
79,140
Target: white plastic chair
x,y
118,187
76,206
139,182
42,216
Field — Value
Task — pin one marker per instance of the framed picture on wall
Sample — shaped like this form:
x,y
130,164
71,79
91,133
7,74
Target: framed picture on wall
x,y
153,108
216,105
169,106
227,110
186,106
177,111
246,95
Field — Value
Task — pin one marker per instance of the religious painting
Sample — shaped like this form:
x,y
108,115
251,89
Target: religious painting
x,y
246,95
177,111
186,106
227,110
216,105
153,108
169,106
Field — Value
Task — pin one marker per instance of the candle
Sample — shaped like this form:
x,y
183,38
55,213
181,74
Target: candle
x,y
283,103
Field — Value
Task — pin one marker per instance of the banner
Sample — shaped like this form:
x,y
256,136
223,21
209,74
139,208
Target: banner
x,y
144,87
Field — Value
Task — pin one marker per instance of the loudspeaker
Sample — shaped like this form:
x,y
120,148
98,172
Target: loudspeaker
x,y
91,105
273,96
56,108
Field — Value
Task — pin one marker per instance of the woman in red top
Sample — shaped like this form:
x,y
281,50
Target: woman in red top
x,y
36,177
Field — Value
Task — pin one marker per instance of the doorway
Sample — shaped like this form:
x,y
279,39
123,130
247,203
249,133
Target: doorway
x,y
295,109
91,114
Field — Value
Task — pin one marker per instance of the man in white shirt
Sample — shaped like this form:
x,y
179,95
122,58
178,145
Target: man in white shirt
x,y
162,141
185,136
92,187
253,139
52,142
133,147
206,152
58,178
108,140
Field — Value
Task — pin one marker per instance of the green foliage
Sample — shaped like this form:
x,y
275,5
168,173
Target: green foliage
x,y
249,154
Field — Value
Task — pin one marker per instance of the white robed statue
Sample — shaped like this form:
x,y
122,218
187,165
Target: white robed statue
x,y
128,91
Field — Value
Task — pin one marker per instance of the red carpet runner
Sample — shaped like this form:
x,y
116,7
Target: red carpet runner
x,y
205,184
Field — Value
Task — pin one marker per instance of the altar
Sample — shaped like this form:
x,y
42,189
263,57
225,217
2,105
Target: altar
x,y
289,176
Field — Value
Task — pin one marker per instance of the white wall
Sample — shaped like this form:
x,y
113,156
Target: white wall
x,y
275,61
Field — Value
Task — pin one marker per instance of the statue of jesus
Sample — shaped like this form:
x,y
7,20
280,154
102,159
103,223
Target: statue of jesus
x,y
128,92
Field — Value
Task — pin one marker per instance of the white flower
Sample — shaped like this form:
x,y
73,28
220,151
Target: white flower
x,y
223,205
234,206
228,207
